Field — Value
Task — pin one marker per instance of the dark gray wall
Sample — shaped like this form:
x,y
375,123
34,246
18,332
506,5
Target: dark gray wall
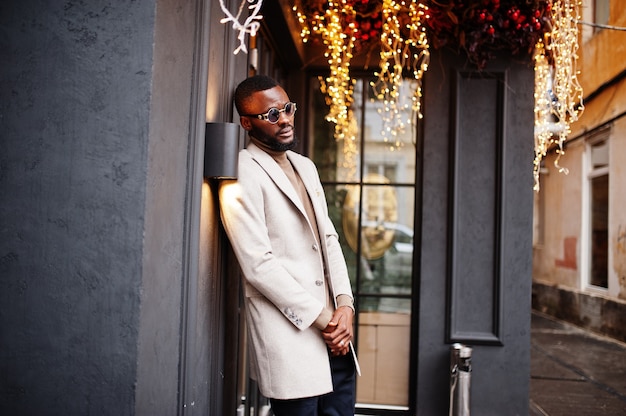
x,y
475,284
95,134
210,328
172,188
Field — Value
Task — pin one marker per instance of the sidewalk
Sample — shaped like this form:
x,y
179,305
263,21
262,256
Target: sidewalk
x,y
574,372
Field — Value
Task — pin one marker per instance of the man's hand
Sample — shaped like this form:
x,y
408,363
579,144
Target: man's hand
x,y
338,332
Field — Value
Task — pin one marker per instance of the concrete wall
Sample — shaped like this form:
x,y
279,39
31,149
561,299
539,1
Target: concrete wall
x,y
94,125
558,257
588,310
172,190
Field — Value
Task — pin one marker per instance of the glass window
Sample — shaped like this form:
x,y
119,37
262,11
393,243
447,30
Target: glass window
x,y
598,218
369,180
599,231
601,12
600,155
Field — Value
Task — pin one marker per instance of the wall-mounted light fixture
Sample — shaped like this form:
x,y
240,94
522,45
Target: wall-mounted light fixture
x,y
221,150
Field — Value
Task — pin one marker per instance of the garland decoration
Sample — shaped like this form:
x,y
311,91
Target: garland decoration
x,y
484,28
339,85
558,94
406,30
250,25
404,45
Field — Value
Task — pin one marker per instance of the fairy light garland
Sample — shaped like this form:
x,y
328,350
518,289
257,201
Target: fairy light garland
x,y
543,110
339,41
398,53
250,25
561,46
349,130
350,151
405,48
339,84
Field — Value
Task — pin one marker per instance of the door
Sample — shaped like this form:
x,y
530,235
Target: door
x,y
369,176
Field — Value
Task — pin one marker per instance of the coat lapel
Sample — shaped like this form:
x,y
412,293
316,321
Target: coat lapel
x,y
311,185
276,174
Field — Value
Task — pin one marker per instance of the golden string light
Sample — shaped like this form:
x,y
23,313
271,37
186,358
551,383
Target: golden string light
x,y
339,41
560,79
350,151
397,54
543,111
405,49
340,85
349,133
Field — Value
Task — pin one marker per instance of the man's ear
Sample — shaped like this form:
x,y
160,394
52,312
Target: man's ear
x,y
245,123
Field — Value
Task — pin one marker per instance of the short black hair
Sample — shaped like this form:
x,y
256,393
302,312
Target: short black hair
x,y
249,86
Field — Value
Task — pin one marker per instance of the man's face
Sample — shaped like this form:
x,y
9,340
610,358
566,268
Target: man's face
x,y
279,136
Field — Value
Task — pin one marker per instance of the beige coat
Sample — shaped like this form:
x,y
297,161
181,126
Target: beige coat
x,y
283,268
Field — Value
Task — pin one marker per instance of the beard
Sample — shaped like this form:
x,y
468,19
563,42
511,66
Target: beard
x,y
270,142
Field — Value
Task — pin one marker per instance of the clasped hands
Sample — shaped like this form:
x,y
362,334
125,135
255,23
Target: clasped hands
x,y
338,332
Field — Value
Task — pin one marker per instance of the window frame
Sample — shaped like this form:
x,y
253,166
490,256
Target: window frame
x,y
590,173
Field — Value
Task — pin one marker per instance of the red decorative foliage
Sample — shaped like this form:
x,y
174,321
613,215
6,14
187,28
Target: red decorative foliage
x,y
478,28
482,28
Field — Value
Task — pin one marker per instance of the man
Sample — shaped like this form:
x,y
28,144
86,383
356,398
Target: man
x,y
299,304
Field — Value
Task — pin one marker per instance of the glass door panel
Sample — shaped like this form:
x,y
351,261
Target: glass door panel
x,y
369,183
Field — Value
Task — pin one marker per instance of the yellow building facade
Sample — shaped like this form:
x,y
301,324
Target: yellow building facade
x,y
579,247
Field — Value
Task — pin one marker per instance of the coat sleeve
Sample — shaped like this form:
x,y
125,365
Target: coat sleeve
x,y
243,217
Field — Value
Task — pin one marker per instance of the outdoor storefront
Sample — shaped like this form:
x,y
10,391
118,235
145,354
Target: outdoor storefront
x,y
120,290
435,222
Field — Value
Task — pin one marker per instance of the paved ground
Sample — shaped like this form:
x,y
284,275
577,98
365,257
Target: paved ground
x,y
574,372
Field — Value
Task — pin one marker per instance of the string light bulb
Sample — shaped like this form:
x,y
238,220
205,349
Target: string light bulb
x,y
558,94
404,45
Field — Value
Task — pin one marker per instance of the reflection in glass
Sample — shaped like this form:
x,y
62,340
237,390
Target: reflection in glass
x,y
380,206
386,248
370,189
395,158
336,160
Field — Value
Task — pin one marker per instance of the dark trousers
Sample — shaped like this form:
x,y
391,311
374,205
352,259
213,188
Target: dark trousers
x,y
340,402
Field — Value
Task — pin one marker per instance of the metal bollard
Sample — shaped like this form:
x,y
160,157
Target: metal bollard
x,y
460,373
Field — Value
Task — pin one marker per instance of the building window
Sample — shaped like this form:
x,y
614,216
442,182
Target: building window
x,y
596,12
597,217
601,12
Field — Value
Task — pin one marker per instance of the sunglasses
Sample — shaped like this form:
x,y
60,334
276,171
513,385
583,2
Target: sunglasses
x,y
273,113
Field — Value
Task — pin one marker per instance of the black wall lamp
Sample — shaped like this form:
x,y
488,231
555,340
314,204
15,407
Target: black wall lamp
x,y
221,150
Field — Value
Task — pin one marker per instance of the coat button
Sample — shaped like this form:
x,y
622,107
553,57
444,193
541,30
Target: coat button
x,y
319,283
314,247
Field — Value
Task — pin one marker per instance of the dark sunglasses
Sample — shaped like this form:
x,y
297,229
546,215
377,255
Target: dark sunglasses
x,y
273,114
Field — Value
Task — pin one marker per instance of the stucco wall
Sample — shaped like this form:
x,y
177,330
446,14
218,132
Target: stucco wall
x,y
557,257
617,210
603,53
